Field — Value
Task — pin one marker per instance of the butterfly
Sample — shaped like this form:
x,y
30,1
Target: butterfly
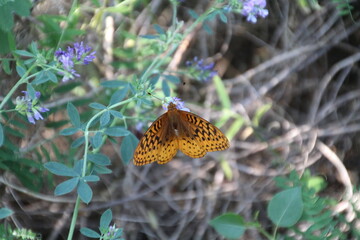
x,y
178,130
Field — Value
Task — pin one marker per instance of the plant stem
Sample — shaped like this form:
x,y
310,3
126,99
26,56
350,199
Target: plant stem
x,y
86,150
73,220
23,79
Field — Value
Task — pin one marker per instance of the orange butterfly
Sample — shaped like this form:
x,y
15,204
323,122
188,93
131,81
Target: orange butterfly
x,y
177,129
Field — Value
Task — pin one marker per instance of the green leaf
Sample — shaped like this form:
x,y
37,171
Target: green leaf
x,y
45,76
97,106
118,95
105,219
20,70
118,233
2,137
116,114
315,183
229,225
127,148
73,114
3,2
5,62
212,15
286,207
149,36
222,92
105,118
116,131
173,79
321,221
207,28
193,14
66,186
114,84
91,178
69,131
20,7
34,48
101,170
235,127
24,53
78,142
84,191
30,91
99,159
40,78
158,29
7,21
260,113
7,43
165,88
96,140
223,17
29,61
154,79
60,169
79,166
51,76
87,232
13,132
5,212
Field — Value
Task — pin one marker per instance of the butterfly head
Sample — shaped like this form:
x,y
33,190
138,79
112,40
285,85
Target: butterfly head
x,y
175,103
171,107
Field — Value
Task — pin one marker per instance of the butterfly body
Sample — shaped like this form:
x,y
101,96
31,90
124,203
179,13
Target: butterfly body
x,y
178,130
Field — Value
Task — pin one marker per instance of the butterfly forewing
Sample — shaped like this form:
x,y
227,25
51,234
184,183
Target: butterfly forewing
x,y
153,142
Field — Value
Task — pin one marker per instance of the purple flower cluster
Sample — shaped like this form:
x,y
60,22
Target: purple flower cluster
x,y
29,107
79,54
179,104
251,9
201,71
112,231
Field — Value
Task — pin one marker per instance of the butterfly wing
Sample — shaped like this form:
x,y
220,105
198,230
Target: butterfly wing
x,y
200,136
157,144
191,147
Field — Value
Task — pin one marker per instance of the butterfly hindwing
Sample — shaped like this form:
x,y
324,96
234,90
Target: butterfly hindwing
x,y
191,147
167,151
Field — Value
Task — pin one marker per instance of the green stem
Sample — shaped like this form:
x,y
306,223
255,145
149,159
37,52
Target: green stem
x,y
23,79
71,12
266,234
86,135
174,6
73,220
160,58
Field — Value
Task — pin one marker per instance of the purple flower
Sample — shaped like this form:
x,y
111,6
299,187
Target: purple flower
x,y
83,53
79,54
251,9
199,70
29,107
179,104
112,231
